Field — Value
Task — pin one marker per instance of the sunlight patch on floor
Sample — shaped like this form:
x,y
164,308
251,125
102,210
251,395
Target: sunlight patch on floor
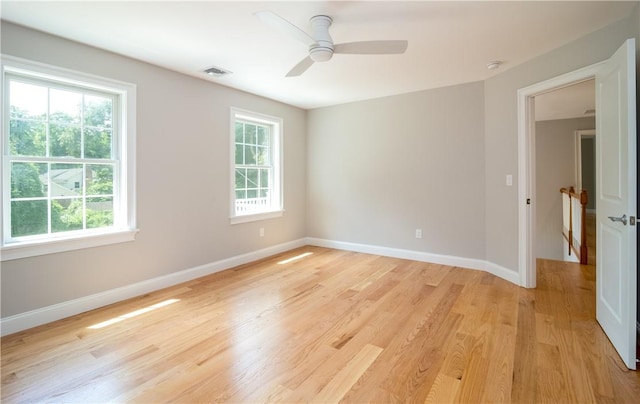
x,y
297,257
133,314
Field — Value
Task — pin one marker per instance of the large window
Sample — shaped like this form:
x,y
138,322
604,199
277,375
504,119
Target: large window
x,y
67,161
257,168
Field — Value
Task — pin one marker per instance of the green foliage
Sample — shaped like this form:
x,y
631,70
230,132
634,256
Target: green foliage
x,y
28,218
28,137
25,181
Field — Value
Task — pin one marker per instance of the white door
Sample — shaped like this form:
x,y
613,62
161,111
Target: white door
x,y
616,201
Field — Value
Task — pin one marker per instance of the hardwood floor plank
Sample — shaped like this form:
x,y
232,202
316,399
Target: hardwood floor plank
x,y
331,326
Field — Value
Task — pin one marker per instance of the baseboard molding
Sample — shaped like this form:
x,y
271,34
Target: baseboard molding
x,y
470,263
23,321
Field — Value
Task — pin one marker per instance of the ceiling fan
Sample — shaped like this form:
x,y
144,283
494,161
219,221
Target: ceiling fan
x,y
321,46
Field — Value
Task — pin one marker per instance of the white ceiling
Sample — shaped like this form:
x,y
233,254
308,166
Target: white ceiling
x,y
568,102
450,42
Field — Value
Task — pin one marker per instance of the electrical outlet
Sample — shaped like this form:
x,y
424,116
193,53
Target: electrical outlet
x,y
509,180
418,233
262,232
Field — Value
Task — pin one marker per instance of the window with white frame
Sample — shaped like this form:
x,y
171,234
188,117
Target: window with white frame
x,y
67,158
256,187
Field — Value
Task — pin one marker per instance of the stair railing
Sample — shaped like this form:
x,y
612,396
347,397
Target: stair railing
x,y
574,216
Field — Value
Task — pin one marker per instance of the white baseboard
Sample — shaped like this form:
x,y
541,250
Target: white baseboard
x,y
470,263
23,321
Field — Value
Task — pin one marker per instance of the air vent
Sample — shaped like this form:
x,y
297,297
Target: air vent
x,y
216,71
589,112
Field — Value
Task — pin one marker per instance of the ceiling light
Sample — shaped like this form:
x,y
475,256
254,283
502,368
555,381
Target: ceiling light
x,y
320,53
216,71
494,65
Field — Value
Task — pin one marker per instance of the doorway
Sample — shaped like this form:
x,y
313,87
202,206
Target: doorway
x,y
527,196
564,120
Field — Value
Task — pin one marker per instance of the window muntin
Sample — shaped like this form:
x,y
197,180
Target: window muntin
x,y
256,167
67,160
61,157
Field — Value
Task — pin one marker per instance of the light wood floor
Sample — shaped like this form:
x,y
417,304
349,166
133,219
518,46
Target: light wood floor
x,y
331,326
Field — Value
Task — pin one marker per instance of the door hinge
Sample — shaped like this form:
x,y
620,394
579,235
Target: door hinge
x,y
632,221
528,201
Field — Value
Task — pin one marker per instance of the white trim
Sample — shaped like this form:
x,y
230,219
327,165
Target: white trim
x,y
277,156
33,318
255,217
526,165
23,321
51,246
470,263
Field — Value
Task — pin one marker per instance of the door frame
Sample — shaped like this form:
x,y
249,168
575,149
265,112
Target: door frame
x,y
526,165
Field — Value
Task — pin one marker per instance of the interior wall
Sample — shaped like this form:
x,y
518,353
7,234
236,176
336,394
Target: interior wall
x,y
588,150
555,169
380,169
183,166
501,128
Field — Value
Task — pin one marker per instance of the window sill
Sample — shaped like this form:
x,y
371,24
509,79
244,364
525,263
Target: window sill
x,y
254,217
31,249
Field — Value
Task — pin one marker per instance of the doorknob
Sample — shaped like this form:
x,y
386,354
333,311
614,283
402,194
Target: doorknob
x,y
622,219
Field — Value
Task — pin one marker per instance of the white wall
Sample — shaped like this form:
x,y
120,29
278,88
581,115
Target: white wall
x,y
182,178
555,169
382,168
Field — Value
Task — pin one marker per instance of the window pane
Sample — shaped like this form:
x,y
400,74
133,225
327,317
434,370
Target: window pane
x,y
66,214
263,136
97,143
28,218
64,140
264,178
98,111
239,154
262,156
264,193
250,134
28,180
64,106
66,180
252,193
241,178
99,212
252,178
28,100
249,155
239,132
241,194
27,138
99,179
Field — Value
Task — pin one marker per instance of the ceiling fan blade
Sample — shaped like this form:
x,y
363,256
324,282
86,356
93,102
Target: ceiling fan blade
x,y
284,26
372,47
300,67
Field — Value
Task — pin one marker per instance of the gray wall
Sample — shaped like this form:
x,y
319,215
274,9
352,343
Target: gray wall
x,y
555,169
182,177
588,151
382,168
376,170
501,128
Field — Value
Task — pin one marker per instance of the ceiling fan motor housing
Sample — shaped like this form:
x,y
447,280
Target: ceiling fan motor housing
x,y
322,50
